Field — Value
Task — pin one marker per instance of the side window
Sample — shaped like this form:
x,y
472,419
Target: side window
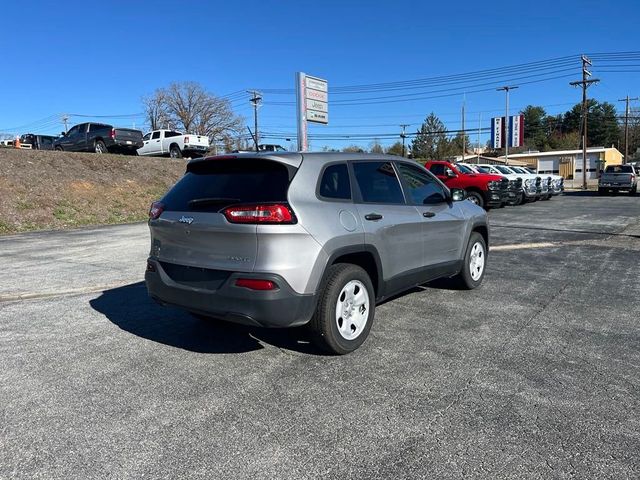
x,y
422,188
146,137
437,169
155,135
170,134
378,182
335,182
74,131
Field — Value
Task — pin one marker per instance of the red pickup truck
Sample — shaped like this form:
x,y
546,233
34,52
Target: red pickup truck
x,y
483,189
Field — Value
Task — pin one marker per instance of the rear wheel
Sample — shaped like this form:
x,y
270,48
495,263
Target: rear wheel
x,y
474,263
100,147
345,311
475,197
174,152
58,148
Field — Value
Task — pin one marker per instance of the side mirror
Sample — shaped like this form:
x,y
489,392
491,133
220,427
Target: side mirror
x,y
450,173
458,194
63,134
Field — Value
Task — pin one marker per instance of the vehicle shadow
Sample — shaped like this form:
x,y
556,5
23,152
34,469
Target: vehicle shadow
x,y
581,193
130,308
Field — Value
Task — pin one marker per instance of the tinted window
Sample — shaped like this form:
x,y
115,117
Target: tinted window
x,y
211,186
335,182
146,137
155,135
378,182
619,169
169,134
484,169
46,141
437,169
75,130
422,188
97,126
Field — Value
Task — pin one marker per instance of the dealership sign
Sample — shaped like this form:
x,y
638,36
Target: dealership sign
x,y
312,95
516,131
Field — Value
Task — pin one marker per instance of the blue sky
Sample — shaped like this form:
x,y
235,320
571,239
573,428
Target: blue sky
x,y
70,58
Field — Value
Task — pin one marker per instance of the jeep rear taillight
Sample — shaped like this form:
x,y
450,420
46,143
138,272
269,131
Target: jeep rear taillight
x,y
113,133
262,213
186,139
156,210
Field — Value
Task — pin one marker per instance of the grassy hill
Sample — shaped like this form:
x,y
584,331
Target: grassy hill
x,y
56,190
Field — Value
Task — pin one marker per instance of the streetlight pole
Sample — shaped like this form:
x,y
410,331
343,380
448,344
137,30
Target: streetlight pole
x,y
506,89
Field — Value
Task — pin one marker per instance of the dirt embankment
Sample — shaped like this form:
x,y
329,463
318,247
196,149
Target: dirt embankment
x,y
55,190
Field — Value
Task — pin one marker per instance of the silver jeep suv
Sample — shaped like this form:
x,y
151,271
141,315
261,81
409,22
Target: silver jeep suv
x,y
286,239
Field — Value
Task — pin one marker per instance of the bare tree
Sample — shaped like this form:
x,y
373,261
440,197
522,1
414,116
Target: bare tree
x,y
154,109
188,106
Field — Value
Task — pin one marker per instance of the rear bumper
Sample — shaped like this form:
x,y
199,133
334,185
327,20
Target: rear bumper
x,y
123,145
282,307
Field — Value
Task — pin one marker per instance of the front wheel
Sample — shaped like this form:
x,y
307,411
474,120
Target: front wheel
x,y
475,197
474,263
345,311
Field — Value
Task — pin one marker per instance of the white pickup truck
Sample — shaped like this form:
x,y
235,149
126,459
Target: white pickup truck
x,y
175,144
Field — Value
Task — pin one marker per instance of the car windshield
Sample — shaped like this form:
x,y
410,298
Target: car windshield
x,y
484,169
504,170
464,169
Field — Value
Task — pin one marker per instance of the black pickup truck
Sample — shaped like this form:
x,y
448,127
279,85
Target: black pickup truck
x,y
99,138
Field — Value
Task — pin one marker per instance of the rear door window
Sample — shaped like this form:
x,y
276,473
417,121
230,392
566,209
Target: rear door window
x,y
335,182
212,185
378,182
437,169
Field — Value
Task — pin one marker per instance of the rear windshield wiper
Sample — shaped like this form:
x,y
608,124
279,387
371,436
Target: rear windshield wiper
x,y
204,202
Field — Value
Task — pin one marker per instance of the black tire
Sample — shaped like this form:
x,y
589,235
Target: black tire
x,y
633,191
476,198
601,191
465,278
324,325
174,152
519,200
58,149
100,147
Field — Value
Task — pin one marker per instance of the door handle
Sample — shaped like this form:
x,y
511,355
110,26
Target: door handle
x,y
428,214
373,216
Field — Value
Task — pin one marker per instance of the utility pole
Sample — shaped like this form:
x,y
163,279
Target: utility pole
x,y
403,135
584,83
65,119
255,100
479,126
464,136
626,126
506,89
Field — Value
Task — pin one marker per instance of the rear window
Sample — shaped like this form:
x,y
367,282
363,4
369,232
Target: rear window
x,y
619,169
212,185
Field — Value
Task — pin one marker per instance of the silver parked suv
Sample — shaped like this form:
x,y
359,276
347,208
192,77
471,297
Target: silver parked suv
x,y
286,239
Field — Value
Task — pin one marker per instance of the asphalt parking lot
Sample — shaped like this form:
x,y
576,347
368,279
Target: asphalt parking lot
x,y
534,375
